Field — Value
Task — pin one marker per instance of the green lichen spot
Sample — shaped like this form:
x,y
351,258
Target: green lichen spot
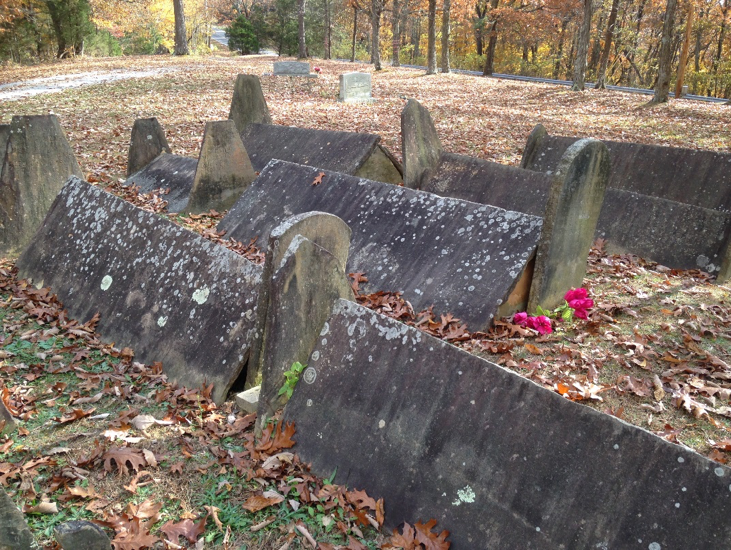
x,y
201,295
466,495
106,282
162,321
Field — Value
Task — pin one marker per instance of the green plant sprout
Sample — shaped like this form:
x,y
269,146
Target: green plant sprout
x,y
291,377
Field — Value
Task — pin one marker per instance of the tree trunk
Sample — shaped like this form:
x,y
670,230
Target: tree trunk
x,y
698,42
355,32
416,39
181,36
396,28
684,54
376,9
596,49
445,35
479,27
302,54
431,39
559,53
662,85
328,28
582,47
602,73
491,42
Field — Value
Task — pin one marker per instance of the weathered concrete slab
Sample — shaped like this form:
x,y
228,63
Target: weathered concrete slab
x,y
462,257
81,535
38,160
223,172
498,460
248,400
345,152
165,291
292,68
146,143
664,172
7,421
355,88
166,171
14,532
420,143
305,270
671,233
248,104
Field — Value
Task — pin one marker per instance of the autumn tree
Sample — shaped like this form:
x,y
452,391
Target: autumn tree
x,y
447,8
606,50
582,48
377,7
431,44
662,86
181,35
302,54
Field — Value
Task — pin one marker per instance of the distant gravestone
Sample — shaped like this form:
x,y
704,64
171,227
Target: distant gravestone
x,y
500,461
38,160
14,532
292,68
420,143
81,535
248,104
7,421
147,142
172,295
306,273
355,88
462,257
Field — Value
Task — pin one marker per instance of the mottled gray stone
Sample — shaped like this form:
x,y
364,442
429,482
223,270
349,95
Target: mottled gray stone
x,y
355,88
167,292
305,274
81,535
4,136
248,104
346,152
223,172
173,173
38,160
569,222
147,142
248,400
500,461
7,422
462,257
420,143
14,533
292,68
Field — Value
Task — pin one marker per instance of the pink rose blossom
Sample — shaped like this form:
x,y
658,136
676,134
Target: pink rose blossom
x,y
520,318
317,69
575,294
541,324
580,306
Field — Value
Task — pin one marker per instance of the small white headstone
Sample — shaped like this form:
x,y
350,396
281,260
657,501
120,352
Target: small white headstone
x,y
355,87
248,400
292,68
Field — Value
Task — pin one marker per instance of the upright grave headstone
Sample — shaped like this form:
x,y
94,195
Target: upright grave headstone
x,y
14,532
37,161
306,273
248,104
347,152
355,88
461,257
215,181
569,200
499,461
292,68
648,209
147,142
167,292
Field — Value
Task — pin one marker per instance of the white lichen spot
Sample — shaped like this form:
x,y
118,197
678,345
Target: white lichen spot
x,y
681,459
106,282
325,329
309,402
616,446
162,321
310,375
466,495
200,296
677,505
315,355
654,546
381,424
719,471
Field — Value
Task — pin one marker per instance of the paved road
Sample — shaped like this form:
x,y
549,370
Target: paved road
x,y
219,35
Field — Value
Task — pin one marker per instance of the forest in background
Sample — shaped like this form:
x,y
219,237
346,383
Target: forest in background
x,y
623,44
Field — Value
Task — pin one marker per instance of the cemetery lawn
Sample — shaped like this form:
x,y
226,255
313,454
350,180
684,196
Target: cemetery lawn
x,y
103,437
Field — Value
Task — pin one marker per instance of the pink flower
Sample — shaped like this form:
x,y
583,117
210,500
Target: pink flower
x,y
317,69
580,306
575,294
541,324
520,318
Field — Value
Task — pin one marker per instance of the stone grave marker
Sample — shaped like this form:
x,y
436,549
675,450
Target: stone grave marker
x,y
37,161
462,257
248,104
81,535
7,421
648,191
499,461
4,135
214,181
355,88
569,201
14,532
165,291
292,68
147,142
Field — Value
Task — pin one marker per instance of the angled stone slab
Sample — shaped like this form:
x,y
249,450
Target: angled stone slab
x,y
305,274
14,532
170,172
38,160
346,152
462,257
499,461
248,104
223,171
420,143
7,421
81,535
146,143
165,291
4,136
